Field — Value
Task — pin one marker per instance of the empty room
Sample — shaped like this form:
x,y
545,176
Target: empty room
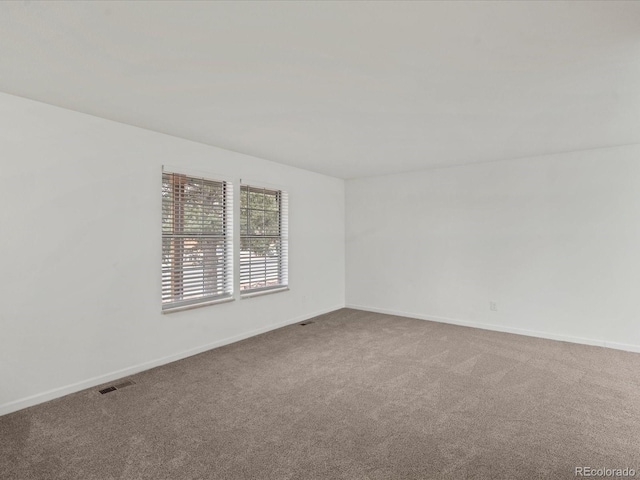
x,y
359,240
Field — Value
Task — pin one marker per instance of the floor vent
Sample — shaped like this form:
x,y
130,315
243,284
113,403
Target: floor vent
x,y
118,386
307,323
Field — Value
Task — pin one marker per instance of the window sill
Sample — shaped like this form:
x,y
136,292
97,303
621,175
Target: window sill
x,y
197,305
263,292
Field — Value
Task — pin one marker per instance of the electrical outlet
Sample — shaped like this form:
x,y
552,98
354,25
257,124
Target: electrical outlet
x,y
493,306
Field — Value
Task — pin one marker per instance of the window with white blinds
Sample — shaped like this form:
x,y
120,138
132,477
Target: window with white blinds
x,y
263,239
197,259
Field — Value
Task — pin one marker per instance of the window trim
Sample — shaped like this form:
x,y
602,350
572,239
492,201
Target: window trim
x,y
264,291
229,236
234,187
283,229
180,308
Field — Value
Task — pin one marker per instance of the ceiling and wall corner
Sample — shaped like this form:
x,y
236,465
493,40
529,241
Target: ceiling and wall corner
x,y
348,89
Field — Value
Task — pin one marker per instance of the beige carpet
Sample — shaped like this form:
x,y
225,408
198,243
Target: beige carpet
x,y
354,395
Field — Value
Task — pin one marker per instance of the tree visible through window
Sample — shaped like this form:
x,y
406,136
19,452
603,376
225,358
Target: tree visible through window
x,y
196,240
263,238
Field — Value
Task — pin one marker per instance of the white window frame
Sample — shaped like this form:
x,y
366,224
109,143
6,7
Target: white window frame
x,y
228,246
282,235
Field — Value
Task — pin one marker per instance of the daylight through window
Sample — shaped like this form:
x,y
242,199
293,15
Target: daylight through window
x,y
263,239
197,261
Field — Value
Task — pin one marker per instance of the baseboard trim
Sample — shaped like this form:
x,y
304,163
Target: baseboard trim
x,y
32,400
501,328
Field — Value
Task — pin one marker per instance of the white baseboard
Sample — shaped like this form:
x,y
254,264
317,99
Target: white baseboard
x,y
32,400
502,328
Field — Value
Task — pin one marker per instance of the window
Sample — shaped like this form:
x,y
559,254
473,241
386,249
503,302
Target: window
x,y
263,239
197,261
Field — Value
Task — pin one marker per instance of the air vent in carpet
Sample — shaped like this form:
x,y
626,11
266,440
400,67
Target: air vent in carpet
x,y
118,386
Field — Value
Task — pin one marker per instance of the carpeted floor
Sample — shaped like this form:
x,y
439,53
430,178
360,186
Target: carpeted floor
x,y
354,395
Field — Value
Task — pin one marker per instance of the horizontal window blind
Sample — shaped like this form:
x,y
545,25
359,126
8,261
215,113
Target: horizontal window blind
x,y
263,239
197,260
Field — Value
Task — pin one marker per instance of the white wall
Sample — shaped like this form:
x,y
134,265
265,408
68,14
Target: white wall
x,y
553,240
80,270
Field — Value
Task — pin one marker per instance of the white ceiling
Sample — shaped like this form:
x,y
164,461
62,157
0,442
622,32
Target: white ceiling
x,y
344,88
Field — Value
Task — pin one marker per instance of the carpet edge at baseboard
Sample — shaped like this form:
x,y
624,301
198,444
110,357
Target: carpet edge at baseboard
x,y
30,401
501,328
